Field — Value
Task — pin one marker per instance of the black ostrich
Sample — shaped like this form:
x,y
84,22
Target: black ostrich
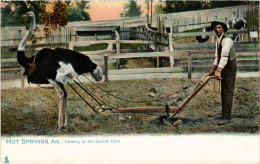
x,y
56,67
238,24
204,38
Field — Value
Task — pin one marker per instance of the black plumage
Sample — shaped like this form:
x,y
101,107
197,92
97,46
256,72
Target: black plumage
x,y
55,67
204,38
47,63
238,23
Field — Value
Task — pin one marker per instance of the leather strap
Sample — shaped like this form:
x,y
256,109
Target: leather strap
x,y
219,48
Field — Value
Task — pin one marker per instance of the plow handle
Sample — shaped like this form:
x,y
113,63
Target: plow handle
x,y
204,80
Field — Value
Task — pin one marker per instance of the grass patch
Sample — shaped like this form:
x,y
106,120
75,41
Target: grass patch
x,y
95,47
131,46
248,58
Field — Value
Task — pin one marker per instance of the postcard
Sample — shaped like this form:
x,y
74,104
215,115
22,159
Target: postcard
x,y
130,82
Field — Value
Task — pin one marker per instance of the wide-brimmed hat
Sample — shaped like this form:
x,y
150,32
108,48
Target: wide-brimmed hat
x,y
220,21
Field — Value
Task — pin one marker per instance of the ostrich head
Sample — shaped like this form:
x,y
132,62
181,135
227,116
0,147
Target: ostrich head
x,y
30,15
97,74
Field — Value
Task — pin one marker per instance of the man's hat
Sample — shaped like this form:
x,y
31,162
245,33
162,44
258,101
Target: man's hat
x,y
220,21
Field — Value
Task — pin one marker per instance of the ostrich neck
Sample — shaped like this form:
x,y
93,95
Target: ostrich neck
x,y
26,38
227,24
234,20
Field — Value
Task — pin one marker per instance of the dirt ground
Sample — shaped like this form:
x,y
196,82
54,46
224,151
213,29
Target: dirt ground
x,y
33,111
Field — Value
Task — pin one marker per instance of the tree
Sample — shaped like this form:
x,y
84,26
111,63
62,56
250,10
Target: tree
x,y
22,7
159,8
131,9
78,13
7,16
52,14
55,15
178,6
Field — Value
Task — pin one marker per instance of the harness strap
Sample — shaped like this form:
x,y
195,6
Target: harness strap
x,y
219,48
32,67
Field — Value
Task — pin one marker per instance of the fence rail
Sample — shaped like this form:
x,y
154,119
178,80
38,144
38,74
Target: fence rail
x,y
184,21
190,55
189,34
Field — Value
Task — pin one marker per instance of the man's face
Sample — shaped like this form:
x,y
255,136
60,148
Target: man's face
x,y
219,30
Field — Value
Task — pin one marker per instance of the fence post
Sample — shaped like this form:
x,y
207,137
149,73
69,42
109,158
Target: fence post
x,y
118,60
189,65
71,45
170,38
106,67
171,61
96,37
117,49
171,46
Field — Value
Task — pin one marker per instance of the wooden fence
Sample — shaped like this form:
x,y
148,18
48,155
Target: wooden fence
x,y
148,37
189,55
181,51
10,36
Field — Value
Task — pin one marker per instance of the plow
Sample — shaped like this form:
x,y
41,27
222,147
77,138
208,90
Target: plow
x,y
167,109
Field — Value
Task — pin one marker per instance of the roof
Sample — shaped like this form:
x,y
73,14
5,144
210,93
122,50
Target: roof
x,y
97,28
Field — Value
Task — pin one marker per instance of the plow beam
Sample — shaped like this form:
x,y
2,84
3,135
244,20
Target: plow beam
x,y
145,110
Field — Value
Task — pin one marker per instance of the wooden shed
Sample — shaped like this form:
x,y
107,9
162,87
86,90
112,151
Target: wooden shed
x,y
96,32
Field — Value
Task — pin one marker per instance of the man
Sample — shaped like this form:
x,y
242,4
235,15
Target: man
x,y
224,69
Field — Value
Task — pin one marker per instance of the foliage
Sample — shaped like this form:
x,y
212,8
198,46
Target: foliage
x,y
174,6
131,9
7,16
55,16
178,6
22,7
159,8
63,12
78,13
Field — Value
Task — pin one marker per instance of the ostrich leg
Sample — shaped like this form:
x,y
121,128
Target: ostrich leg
x,y
65,98
62,94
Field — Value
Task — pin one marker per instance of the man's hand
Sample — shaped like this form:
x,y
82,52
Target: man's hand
x,y
212,71
218,73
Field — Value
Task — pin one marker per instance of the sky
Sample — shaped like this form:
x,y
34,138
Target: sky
x,y
101,10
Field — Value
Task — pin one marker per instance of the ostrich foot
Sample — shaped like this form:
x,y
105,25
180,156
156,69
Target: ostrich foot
x,y
62,128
